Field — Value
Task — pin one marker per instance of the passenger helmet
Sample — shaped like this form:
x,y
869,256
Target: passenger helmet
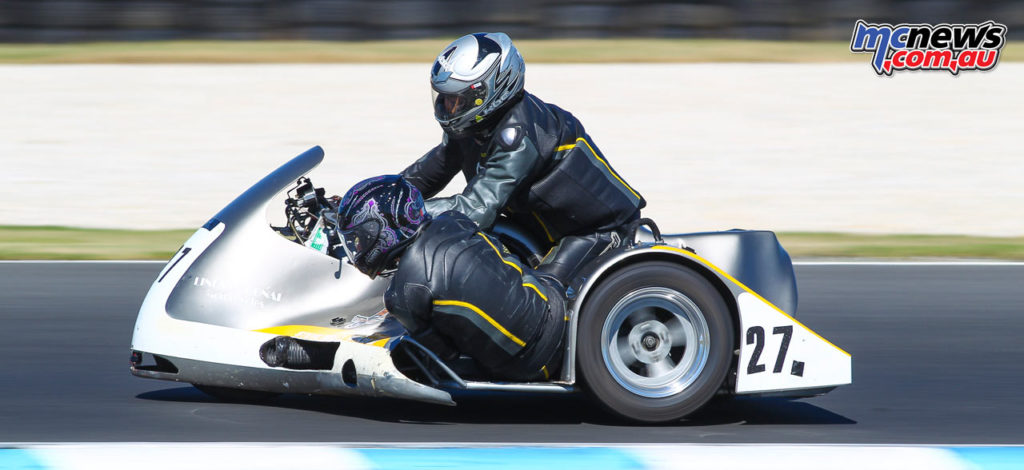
x,y
473,77
376,219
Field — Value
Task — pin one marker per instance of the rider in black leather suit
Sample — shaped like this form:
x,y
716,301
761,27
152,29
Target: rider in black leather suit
x,y
457,290
523,159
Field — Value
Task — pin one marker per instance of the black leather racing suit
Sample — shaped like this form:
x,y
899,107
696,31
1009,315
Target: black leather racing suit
x,y
458,290
536,165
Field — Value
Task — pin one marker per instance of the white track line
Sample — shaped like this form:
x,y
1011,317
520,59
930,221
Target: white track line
x,y
171,456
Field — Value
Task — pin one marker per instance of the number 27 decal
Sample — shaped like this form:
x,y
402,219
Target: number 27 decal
x,y
756,336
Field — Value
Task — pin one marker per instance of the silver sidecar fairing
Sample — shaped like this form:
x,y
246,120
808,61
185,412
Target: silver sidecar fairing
x,y
236,284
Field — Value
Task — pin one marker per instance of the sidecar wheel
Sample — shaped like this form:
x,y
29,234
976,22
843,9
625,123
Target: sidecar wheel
x,y
236,395
655,342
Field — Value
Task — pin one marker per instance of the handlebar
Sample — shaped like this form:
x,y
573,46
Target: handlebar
x,y
304,207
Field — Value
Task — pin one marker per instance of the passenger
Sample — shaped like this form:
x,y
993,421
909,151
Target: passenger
x,y
455,288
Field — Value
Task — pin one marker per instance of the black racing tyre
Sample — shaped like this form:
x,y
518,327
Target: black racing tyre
x,y
655,342
236,395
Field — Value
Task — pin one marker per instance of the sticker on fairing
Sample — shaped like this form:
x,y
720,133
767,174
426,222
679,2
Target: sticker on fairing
x,y
318,241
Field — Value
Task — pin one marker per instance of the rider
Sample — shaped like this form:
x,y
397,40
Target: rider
x,y
458,289
523,159
455,288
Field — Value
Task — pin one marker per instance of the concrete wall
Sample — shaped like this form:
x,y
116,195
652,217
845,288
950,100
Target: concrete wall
x,y
711,146
92,20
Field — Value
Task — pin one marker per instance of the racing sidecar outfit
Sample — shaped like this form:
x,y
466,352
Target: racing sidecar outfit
x,y
458,290
536,165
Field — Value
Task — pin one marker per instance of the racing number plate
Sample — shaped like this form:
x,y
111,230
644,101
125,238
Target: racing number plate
x,y
778,353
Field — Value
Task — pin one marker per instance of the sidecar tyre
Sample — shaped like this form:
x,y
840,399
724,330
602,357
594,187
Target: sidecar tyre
x,y
236,395
655,342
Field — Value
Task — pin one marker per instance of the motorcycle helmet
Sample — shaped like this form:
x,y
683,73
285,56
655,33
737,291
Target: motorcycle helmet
x,y
376,219
473,77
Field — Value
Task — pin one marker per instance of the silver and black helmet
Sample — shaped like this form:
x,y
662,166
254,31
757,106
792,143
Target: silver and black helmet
x,y
474,76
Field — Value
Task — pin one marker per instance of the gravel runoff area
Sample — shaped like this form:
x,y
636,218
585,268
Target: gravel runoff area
x,y
787,147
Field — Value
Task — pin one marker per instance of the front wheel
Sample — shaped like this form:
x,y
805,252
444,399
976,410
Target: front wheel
x,y
655,341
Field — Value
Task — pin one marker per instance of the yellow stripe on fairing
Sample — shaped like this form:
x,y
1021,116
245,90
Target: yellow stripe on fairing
x,y
531,286
503,260
483,315
565,147
544,369
738,283
292,330
598,157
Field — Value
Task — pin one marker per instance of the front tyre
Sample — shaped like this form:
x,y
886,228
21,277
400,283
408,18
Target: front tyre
x,y
655,342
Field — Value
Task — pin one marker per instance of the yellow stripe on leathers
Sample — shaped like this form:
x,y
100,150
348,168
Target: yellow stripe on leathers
x,y
598,157
485,316
503,260
531,286
545,227
738,283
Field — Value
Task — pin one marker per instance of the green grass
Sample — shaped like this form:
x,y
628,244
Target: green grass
x,y
424,50
837,245
95,244
18,242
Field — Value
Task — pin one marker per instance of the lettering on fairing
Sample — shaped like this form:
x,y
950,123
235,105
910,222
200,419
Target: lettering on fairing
x,y
221,290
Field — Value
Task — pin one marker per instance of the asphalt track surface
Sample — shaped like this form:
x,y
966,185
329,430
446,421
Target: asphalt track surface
x,y
937,356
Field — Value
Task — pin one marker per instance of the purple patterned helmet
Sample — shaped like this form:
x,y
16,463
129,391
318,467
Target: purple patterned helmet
x,y
376,218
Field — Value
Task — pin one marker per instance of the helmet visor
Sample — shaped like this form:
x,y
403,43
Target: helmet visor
x,y
452,105
359,242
